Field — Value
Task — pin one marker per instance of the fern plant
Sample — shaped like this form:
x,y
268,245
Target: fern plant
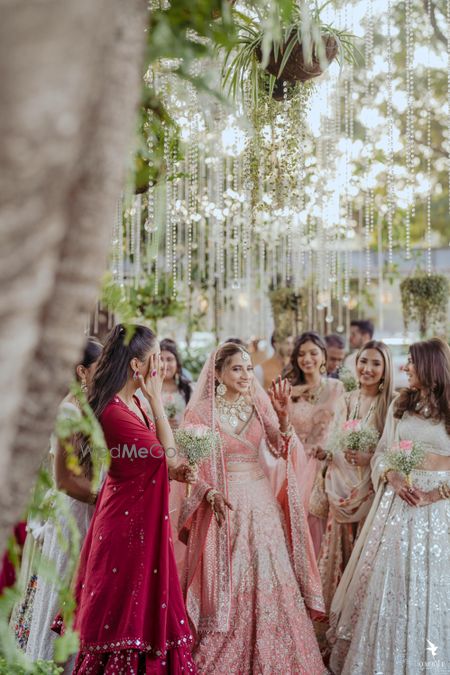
x,y
249,60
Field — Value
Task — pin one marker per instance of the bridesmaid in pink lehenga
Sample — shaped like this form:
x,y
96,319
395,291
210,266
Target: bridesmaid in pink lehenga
x,y
317,404
250,577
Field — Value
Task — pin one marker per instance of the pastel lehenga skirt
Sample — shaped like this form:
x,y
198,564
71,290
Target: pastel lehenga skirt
x,y
270,630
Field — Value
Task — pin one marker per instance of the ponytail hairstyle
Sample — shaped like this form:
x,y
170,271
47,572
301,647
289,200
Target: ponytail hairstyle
x,y
113,368
183,384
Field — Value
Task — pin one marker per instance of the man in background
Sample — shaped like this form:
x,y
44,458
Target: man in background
x,y
335,353
271,368
361,331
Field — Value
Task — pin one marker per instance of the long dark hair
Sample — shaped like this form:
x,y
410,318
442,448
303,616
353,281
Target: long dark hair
x,y
112,371
92,351
293,372
431,359
183,384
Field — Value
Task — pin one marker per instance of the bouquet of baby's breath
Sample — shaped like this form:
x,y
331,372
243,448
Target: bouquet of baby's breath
x,y
355,436
348,379
173,407
405,456
196,443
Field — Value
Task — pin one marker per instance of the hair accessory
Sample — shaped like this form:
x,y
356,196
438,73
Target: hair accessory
x,y
153,373
245,355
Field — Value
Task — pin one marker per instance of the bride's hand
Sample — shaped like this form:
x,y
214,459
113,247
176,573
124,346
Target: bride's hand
x,y
279,393
151,386
318,453
409,494
183,473
219,508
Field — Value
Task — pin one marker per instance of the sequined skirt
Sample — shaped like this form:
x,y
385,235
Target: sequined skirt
x,y
396,620
270,630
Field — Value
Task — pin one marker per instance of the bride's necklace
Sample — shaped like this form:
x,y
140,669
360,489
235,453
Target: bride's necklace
x,y
231,412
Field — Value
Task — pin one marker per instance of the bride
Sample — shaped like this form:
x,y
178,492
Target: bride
x,y
249,579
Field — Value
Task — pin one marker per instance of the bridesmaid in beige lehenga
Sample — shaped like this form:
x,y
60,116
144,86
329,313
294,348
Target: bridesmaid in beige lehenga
x,y
348,483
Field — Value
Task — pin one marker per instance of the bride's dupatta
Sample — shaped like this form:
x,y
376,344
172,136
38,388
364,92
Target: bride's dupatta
x,y
206,573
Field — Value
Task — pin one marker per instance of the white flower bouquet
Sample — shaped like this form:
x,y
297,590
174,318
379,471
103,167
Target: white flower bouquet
x,y
405,456
355,436
195,443
173,407
347,378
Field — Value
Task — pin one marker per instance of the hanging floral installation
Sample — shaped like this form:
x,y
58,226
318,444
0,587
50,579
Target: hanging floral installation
x,y
276,182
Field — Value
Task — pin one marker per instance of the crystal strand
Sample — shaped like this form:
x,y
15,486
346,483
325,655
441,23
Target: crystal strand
x,y
137,240
236,218
448,96
149,222
169,185
120,265
390,152
428,142
409,30
368,197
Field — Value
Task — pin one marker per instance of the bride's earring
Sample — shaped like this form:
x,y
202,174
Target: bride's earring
x,y
221,389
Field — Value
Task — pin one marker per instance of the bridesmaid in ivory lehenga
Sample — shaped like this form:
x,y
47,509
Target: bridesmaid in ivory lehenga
x,y
250,578
390,612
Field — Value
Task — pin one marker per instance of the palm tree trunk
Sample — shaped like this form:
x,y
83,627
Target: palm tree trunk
x,y
71,81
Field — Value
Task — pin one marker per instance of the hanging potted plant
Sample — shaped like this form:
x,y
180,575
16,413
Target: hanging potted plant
x,y
425,300
303,50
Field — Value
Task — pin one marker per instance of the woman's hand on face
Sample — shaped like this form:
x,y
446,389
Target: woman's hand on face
x,y
409,494
220,506
357,458
151,386
279,393
183,473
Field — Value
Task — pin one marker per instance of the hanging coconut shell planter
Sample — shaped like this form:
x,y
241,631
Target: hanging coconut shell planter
x,y
296,68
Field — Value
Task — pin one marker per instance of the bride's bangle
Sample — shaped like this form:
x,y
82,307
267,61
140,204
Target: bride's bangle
x,y
288,433
210,496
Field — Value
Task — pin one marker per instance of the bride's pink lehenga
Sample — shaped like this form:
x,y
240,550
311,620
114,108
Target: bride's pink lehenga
x,y
248,584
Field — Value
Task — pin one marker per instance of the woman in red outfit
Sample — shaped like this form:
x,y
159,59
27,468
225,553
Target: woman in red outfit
x,y
131,616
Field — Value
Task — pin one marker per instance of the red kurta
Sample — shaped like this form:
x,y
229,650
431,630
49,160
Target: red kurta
x,y
131,615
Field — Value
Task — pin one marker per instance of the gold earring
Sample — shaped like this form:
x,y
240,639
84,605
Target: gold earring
x,y
381,386
323,368
84,386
